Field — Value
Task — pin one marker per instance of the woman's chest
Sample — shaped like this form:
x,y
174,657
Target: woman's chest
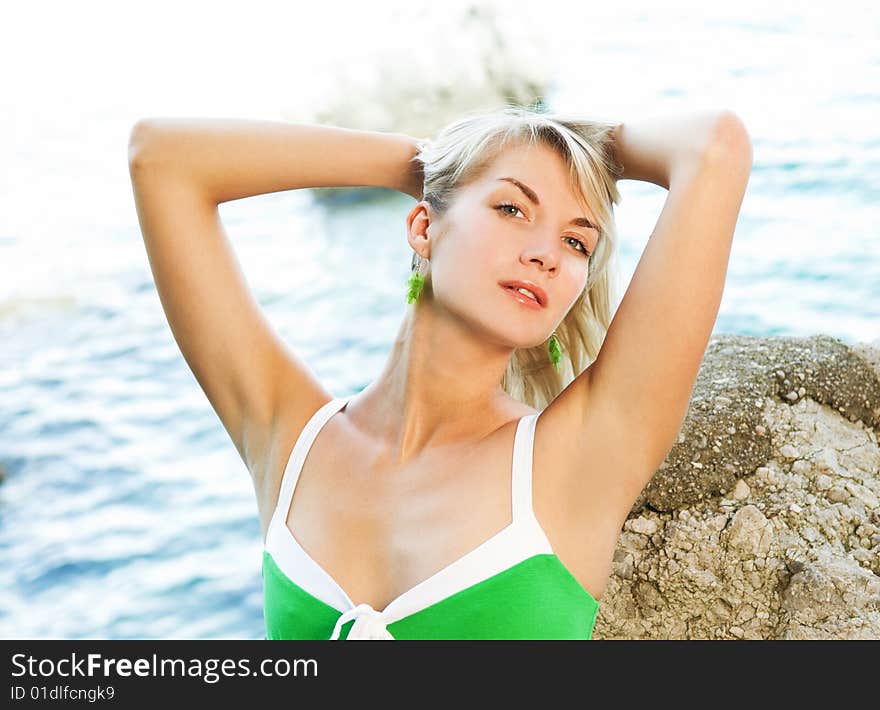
x,y
378,529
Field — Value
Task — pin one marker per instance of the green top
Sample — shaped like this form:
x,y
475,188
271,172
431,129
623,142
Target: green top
x,y
537,598
512,586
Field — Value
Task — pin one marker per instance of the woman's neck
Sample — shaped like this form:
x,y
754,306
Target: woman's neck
x,y
441,383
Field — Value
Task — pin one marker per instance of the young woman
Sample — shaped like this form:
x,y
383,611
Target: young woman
x,y
477,488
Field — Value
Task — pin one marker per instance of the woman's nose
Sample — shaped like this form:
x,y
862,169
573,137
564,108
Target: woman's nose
x,y
542,253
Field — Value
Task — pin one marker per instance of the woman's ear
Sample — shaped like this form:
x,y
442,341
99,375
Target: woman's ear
x,y
418,225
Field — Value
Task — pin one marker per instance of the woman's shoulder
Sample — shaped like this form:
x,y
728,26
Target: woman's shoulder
x,y
514,409
282,432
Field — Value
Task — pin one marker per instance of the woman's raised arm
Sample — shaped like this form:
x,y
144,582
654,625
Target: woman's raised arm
x,y
234,158
181,169
623,413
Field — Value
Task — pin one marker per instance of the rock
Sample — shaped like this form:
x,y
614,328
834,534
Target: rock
x,y
750,532
738,382
643,526
801,466
863,494
789,452
828,588
741,490
794,551
838,495
826,460
486,69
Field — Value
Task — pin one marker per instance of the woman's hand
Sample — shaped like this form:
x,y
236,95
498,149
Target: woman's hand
x,y
655,149
413,176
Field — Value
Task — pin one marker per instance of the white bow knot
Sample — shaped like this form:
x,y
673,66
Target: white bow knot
x,y
369,624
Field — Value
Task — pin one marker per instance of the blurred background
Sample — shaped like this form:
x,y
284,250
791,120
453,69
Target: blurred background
x,y
125,511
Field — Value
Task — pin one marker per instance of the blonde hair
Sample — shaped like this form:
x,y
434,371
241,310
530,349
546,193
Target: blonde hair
x,y
465,148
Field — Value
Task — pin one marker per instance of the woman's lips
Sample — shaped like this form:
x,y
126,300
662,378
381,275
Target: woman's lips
x,y
523,299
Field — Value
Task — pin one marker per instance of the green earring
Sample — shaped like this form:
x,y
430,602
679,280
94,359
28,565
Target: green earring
x,y
416,282
554,351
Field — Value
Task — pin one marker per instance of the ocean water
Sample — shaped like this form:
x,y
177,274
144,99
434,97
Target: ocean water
x,y
125,511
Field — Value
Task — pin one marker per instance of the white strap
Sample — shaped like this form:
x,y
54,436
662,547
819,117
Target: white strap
x,y
523,455
369,624
301,447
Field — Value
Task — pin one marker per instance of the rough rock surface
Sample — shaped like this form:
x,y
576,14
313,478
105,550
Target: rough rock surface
x,y
764,519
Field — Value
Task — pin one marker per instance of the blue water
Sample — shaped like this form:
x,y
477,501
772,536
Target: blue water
x,y
126,512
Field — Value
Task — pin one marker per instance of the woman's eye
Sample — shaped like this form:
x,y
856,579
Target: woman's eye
x,y
582,245
511,206
508,205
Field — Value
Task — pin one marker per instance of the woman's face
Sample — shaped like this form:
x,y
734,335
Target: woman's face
x,y
494,233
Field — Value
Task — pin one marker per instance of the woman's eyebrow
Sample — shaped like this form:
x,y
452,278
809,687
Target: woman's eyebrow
x,y
533,197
